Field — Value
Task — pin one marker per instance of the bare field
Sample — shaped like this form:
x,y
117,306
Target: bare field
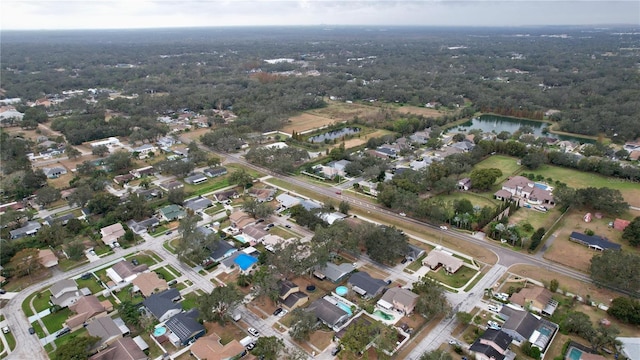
x,y
306,121
194,134
351,143
407,109
569,253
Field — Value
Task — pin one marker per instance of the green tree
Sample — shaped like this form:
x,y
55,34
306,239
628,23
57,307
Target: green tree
x,y
357,337
632,232
578,323
129,312
625,309
72,153
483,179
36,113
220,303
431,299
241,177
268,347
119,162
344,207
257,210
47,195
76,349
616,269
464,317
303,324
100,150
194,246
75,250
553,285
176,196
25,262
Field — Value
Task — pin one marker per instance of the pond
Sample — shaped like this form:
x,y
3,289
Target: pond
x,y
334,134
497,124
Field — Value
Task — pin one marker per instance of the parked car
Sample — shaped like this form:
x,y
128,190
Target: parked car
x,y
85,276
402,214
404,261
259,221
3,291
32,331
339,192
168,233
453,342
493,325
6,330
442,227
253,332
251,346
277,312
494,308
283,312
335,351
271,225
135,262
63,332
288,226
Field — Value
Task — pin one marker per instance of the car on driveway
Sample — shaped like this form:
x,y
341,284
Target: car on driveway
x,y
453,342
288,226
168,233
493,325
251,346
493,308
277,312
283,312
253,332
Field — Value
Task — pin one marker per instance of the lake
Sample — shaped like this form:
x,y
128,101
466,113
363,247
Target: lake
x,y
335,134
497,124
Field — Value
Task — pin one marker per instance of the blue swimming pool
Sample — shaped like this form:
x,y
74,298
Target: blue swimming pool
x,y
542,186
342,290
574,354
159,331
245,261
345,307
240,238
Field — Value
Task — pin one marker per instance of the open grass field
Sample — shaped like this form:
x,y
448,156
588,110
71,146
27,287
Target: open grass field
x,y
351,143
306,121
578,179
334,112
536,218
417,110
476,199
508,165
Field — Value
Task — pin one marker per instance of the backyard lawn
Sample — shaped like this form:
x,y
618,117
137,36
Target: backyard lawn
x,y
53,322
508,165
91,283
190,301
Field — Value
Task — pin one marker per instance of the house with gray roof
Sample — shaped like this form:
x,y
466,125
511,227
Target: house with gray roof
x,y
62,219
54,172
492,344
221,250
28,229
215,171
104,328
329,314
164,305
288,201
226,195
196,179
593,241
464,145
523,326
335,273
197,204
142,226
185,328
64,293
366,286
310,205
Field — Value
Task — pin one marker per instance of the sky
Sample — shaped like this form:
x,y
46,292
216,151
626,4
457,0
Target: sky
x,y
125,14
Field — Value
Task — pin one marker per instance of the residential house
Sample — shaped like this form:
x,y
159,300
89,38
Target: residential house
x,y
420,163
111,234
149,283
339,166
366,286
262,195
520,186
522,326
335,273
535,298
492,345
421,137
290,295
171,185
47,258
271,240
86,309
143,171
630,346
240,219
368,187
196,179
437,258
288,201
28,229
210,348
400,299
149,194
330,218
104,328
215,171
464,184
144,150
221,250
181,150
125,271
64,293
62,219
593,241
255,232
310,205
226,195
121,349
413,252
464,145
54,172
567,146
166,142
387,152
198,204
164,305
329,314
172,212
123,179
110,142
185,328
142,226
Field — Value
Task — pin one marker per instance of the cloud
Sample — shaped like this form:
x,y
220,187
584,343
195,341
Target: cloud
x,y
84,14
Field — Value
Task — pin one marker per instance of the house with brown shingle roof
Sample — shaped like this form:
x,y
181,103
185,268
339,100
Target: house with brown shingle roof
x,y
111,234
149,283
437,258
535,298
210,348
400,299
122,349
125,271
240,219
85,309
47,258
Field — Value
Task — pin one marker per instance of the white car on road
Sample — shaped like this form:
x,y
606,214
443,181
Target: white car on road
x,y
253,332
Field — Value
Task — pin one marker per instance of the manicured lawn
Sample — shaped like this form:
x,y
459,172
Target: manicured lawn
x,y
476,199
143,258
190,301
159,230
91,283
11,341
168,245
53,322
165,274
26,308
154,350
36,326
207,187
460,278
579,179
284,233
508,165
416,264
41,302
67,264
180,286
70,337
173,270
125,294
100,250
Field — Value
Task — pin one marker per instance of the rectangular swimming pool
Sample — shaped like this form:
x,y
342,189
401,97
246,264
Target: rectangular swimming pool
x,y
574,354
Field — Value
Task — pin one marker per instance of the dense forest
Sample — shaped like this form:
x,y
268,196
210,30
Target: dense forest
x,y
590,75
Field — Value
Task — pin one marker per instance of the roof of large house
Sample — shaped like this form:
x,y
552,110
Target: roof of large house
x,y
485,349
184,325
142,225
124,268
209,348
112,229
364,281
158,304
104,328
536,293
335,272
326,311
596,241
402,296
122,349
285,286
172,211
520,321
47,258
196,177
224,195
62,285
293,299
149,282
255,231
500,338
435,257
221,249
198,203
505,194
215,171
85,308
30,226
288,200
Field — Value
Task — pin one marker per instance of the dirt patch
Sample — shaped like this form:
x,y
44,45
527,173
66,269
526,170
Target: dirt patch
x,y
569,253
419,111
374,271
306,121
351,143
194,134
227,332
228,277
321,339
566,283
266,305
